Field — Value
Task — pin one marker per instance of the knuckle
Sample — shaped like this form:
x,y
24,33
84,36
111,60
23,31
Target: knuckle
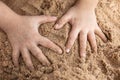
x,y
48,44
28,42
72,35
26,58
14,58
43,16
60,21
81,48
91,31
36,54
83,32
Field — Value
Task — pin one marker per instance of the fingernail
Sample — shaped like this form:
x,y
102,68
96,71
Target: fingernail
x,y
67,50
83,55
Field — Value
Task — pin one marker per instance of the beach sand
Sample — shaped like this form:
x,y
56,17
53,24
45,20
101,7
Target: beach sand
x,y
104,65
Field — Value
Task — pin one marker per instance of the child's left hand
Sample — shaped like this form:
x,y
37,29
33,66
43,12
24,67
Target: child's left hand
x,y
84,26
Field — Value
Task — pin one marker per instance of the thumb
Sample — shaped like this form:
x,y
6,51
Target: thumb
x,y
45,19
62,21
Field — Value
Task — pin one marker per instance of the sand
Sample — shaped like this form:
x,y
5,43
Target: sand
x,y
104,65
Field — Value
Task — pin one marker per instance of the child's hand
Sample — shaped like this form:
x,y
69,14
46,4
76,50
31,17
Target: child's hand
x,y
84,26
25,38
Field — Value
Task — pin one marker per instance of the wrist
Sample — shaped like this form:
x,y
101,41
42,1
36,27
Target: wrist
x,y
86,4
10,22
8,18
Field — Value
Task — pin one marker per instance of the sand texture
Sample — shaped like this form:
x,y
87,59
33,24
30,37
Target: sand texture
x,y
104,65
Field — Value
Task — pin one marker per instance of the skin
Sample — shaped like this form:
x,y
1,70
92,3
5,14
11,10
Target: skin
x,y
84,25
24,37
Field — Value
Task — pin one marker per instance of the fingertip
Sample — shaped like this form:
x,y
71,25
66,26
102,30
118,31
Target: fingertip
x,y
60,23
94,49
60,51
46,63
68,47
54,18
106,40
31,68
16,64
57,26
67,50
82,55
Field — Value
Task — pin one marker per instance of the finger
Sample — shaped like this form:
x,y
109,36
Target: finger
x,y
72,37
15,56
44,19
26,57
49,44
92,41
101,34
39,55
83,42
62,21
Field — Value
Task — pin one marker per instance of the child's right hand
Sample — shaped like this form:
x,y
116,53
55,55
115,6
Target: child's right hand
x,y
24,37
84,26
